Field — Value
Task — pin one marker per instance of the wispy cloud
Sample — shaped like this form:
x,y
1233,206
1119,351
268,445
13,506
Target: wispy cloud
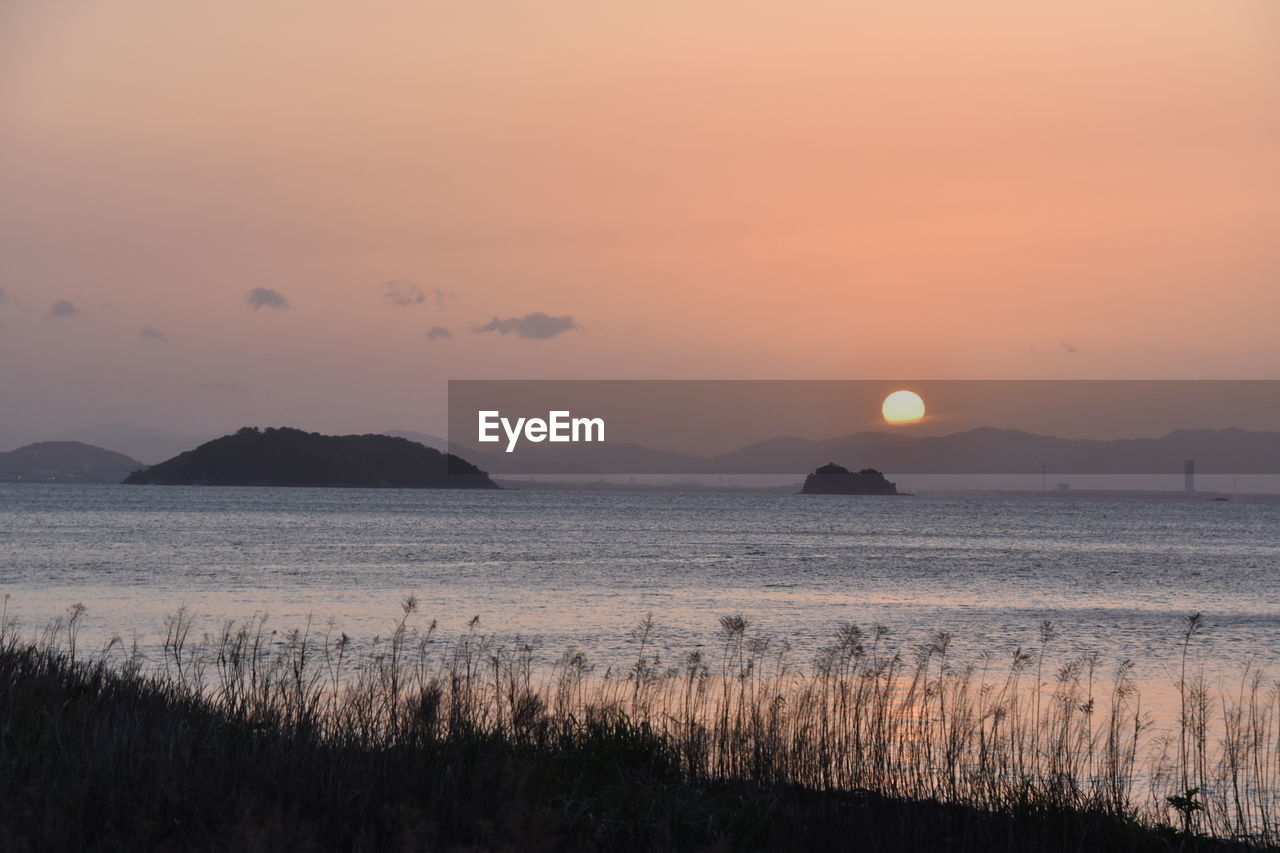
x,y
152,335
265,297
537,326
1068,347
63,308
404,293
438,333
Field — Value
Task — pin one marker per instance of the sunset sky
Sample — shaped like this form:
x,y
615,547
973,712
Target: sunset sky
x,y
315,213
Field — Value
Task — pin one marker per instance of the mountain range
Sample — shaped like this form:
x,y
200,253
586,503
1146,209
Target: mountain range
x,y
985,450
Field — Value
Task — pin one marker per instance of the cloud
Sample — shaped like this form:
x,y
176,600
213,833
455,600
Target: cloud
x,y
404,293
437,333
537,325
265,297
1068,347
153,335
3,297
63,308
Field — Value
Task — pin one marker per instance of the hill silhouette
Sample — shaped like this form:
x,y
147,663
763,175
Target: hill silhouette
x,y
291,457
984,450
989,450
833,479
65,461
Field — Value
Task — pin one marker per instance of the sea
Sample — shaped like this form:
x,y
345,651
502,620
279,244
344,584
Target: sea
x,y
577,570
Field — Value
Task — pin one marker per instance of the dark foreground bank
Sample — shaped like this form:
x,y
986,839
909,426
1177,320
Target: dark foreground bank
x,y
94,757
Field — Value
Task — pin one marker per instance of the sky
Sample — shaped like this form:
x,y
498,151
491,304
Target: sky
x,y
316,213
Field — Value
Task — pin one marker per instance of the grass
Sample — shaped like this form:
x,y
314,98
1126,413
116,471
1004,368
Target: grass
x,y
253,740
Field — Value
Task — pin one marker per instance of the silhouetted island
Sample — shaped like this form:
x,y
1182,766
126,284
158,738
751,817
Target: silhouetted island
x,y
833,479
64,462
291,457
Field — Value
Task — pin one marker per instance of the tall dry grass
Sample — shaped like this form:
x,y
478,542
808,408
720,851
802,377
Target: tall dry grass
x,y
1023,733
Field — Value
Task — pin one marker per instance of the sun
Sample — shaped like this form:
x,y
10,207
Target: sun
x,y
903,407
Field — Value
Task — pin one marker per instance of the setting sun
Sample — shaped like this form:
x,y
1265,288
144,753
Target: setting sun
x,y
903,407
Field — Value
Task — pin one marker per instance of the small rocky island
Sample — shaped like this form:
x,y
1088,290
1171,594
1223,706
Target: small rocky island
x,y
833,479
292,457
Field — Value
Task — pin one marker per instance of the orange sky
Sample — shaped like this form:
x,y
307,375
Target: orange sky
x,y
990,189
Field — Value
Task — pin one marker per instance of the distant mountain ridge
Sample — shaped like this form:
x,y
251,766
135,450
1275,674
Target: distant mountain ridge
x,y
990,450
145,443
984,450
65,461
291,457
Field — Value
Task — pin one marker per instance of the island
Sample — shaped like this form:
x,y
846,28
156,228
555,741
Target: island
x,y
64,462
285,456
833,479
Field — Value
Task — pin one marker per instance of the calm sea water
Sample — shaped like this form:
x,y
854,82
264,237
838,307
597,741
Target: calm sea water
x,y
579,569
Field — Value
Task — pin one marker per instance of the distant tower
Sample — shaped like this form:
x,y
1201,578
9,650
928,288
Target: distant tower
x,y
1189,475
